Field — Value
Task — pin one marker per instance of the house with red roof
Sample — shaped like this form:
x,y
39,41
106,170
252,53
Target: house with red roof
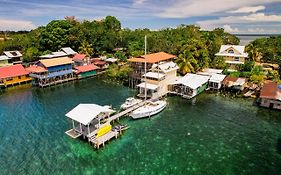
x,y
80,59
270,95
85,71
12,75
138,64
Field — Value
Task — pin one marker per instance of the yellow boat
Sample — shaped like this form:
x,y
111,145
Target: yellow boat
x,y
104,130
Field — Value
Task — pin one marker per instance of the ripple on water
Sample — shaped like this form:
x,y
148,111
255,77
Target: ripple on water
x,y
211,134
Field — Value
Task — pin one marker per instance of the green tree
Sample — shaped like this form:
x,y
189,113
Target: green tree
x,y
86,49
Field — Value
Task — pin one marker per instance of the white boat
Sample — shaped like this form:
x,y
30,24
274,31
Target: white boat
x,y
149,109
131,101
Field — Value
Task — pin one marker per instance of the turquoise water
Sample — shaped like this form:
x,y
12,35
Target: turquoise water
x,y
211,134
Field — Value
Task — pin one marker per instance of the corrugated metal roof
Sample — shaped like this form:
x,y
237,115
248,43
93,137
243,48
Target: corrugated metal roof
x,y
13,54
270,91
56,61
12,71
193,81
87,68
68,51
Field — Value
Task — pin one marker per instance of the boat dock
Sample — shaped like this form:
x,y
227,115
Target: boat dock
x,y
88,126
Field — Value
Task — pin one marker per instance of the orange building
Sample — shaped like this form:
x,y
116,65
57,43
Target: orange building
x,y
138,65
12,75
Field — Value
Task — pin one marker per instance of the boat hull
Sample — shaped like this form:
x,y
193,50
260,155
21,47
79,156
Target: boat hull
x,y
142,112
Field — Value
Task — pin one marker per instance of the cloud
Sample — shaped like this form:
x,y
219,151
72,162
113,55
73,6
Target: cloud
x,y
139,2
16,25
252,18
248,9
190,8
229,29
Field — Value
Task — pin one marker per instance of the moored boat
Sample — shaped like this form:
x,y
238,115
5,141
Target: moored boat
x,y
149,109
131,101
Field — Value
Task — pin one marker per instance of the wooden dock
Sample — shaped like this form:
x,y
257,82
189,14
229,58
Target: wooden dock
x,y
125,112
97,142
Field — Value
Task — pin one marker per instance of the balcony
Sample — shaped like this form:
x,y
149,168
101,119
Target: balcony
x,y
51,74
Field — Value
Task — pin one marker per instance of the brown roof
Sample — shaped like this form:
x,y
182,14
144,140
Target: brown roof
x,y
56,61
153,58
269,90
36,69
229,79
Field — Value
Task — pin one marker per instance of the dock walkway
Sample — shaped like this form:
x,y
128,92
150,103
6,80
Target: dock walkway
x,y
127,111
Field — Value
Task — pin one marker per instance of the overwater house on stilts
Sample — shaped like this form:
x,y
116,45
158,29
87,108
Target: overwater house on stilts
x,y
156,81
85,71
270,95
48,72
216,78
13,75
138,65
189,86
91,122
234,83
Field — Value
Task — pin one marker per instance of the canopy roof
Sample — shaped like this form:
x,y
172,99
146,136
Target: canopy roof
x,y
79,56
36,69
148,86
193,81
85,113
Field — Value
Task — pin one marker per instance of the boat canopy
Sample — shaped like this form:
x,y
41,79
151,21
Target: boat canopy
x,y
85,113
148,86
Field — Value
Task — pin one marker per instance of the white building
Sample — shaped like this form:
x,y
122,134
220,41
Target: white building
x,y
216,78
190,85
233,55
157,80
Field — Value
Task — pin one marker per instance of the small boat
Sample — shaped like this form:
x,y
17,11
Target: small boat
x,y
149,109
131,101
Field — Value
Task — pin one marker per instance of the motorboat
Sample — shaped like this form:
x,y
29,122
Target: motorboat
x,y
149,109
131,101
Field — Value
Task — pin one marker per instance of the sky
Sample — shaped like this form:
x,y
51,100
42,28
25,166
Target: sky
x,y
235,16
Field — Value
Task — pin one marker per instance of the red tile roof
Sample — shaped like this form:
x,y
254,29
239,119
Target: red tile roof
x,y
79,57
86,68
12,71
36,69
153,58
269,90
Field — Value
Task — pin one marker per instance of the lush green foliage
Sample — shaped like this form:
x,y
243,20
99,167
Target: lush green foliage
x,y
265,50
117,72
195,48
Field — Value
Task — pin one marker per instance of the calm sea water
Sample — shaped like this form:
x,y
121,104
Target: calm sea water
x,y
246,39
227,135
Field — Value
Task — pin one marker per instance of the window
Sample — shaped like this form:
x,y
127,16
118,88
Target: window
x,y
230,51
19,77
236,59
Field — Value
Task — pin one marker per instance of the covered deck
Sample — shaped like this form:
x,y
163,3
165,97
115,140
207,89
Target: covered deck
x,y
87,119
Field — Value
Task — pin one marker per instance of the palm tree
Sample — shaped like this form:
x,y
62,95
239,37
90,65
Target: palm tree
x,y
254,53
86,49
